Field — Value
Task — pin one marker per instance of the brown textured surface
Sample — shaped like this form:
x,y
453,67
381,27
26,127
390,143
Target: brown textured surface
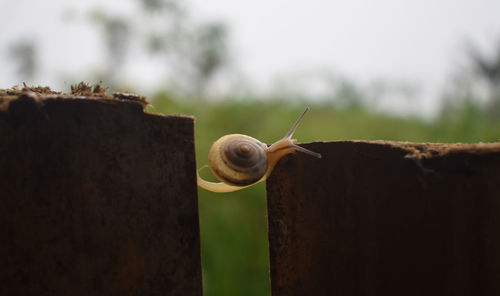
x,y
386,218
97,197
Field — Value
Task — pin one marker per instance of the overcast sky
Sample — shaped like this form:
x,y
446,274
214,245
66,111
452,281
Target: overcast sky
x,y
419,41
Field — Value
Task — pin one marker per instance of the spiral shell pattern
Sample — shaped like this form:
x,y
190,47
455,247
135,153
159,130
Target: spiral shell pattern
x,y
238,159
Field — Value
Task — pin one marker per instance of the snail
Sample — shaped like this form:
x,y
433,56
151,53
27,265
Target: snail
x,y
240,161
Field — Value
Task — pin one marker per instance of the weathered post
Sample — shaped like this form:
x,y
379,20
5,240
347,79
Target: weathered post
x,y
386,218
96,196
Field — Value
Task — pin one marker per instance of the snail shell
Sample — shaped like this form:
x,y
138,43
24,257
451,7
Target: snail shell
x,y
240,161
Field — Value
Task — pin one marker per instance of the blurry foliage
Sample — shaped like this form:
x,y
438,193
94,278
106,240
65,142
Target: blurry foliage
x,y
476,86
153,6
23,53
192,53
116,34
488,70
210,54
487,67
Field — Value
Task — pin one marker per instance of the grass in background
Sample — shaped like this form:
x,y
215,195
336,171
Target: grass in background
x,y
235,255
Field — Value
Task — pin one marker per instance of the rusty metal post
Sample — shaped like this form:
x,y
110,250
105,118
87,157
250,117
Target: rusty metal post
x,y
385,218
96,197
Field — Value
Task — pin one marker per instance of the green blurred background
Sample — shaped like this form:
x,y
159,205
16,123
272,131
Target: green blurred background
x,y
234,225
195,57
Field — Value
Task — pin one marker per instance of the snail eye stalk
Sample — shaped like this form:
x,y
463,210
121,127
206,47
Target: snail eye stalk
x,y
295,125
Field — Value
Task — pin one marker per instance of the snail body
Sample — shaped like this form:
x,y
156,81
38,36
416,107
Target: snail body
x,y
240,161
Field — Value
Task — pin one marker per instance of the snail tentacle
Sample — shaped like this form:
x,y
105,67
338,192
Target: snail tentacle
x,y
288,143
295,125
